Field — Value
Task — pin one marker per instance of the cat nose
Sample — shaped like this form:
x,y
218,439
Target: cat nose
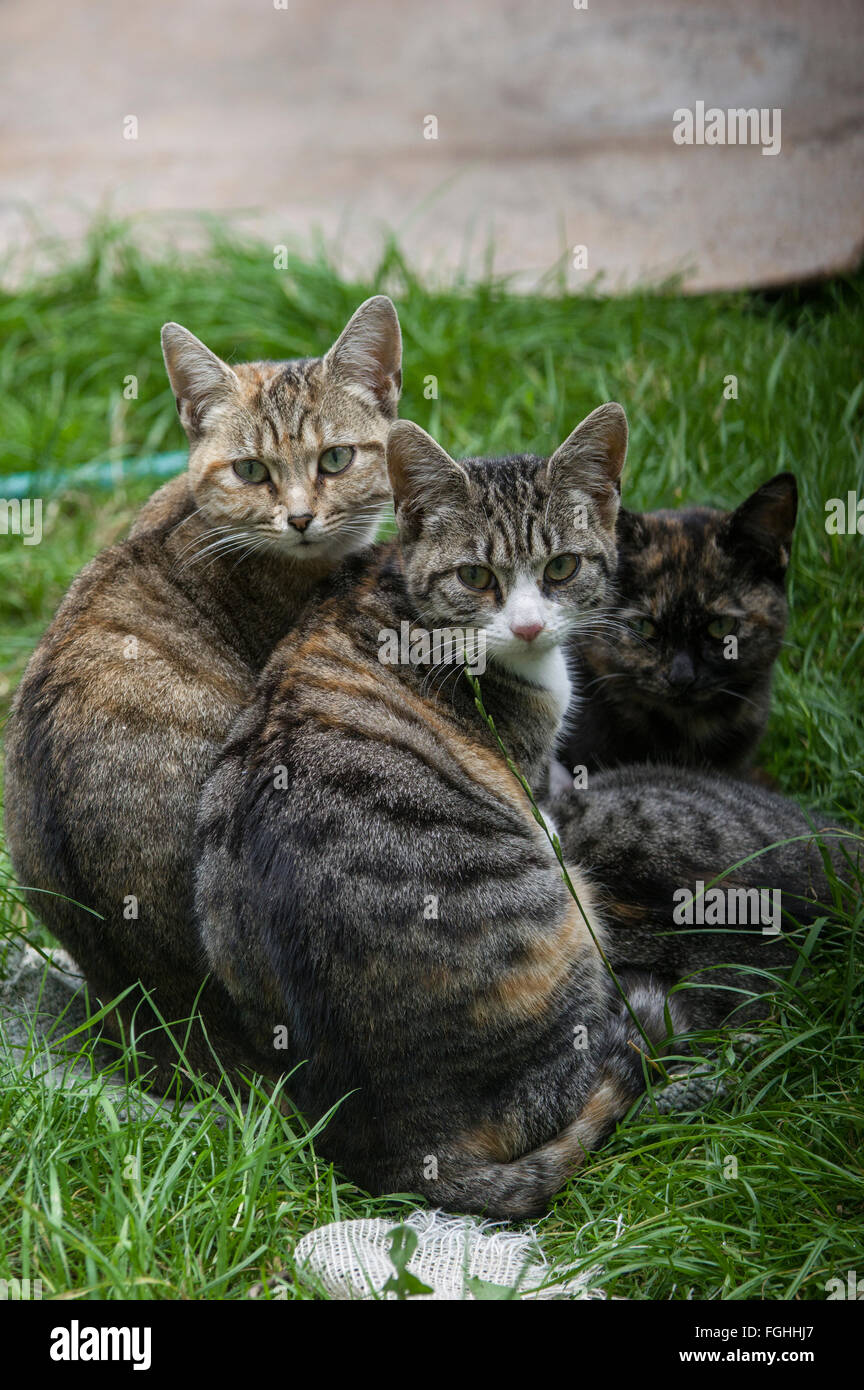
x,y
300,522
681,672
527,631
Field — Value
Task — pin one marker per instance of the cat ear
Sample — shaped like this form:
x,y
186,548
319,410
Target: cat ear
x,y
198,377
630,529
592,457
367,355
423,476
761,528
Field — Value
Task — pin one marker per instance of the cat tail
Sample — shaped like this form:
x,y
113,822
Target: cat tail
x,y
524,1186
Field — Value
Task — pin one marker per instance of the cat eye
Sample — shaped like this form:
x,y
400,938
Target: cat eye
x,y
562,568
721,627
476,577
335,460
251,471
643,627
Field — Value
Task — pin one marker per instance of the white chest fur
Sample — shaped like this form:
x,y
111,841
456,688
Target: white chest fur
x,y
548,670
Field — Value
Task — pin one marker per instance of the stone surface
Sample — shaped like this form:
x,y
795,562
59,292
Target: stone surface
x,y
554,129
43,1022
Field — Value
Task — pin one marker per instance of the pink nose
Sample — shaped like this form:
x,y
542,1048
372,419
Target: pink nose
x,y
528,632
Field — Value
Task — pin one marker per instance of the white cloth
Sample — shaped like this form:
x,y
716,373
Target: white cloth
x,y
351,1260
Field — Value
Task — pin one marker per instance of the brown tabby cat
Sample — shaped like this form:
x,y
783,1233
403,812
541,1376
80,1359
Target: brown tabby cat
x,y
158,643
373,889
680,672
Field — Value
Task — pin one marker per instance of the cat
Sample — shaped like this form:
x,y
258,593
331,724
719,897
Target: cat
x,y
651,838
157,645
373,888
680,671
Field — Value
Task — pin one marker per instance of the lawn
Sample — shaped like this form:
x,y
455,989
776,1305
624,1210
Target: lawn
x,y
97,1199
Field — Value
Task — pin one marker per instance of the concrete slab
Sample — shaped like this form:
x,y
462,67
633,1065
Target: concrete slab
x,y
554,129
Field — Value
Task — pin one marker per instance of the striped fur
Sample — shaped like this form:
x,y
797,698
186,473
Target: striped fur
x,y
645,832
375,894
156,647
373,889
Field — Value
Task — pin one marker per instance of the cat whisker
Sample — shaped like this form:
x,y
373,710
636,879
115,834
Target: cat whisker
x,y
365,508
223,543
360,515
186,520
228,551
217,544
736,694
596,630
446,669
205,536
604,630
366,528
598,680
254,547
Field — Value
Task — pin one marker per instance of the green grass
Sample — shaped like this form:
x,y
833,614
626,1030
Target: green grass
x,y
97,1199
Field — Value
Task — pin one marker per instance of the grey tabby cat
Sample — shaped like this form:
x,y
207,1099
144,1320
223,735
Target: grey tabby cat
x,y
373,889
157,645
652,839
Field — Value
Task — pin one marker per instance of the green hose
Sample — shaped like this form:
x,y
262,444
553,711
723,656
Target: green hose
x,y
99,474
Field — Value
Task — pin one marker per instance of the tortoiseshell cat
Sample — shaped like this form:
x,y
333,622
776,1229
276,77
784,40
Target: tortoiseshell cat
x,y
681,671
373,889
158,643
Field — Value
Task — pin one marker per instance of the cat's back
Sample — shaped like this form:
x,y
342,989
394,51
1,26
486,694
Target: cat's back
x,y
168,505
355,723
128,624
372,886
349,801
130,684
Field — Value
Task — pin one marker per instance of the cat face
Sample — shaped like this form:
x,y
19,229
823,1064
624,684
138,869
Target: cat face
x,y
701,608
519,549
289,456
